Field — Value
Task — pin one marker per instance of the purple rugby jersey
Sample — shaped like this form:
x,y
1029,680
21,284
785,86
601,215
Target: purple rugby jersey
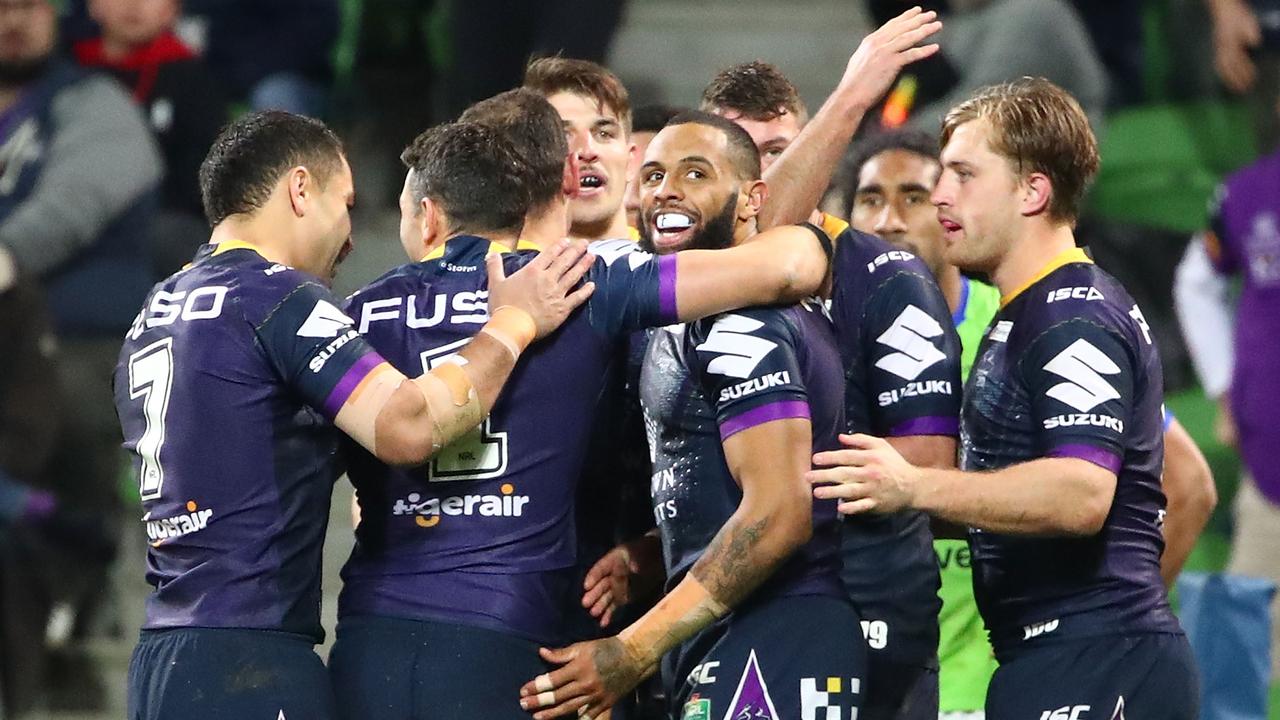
x,y
704,382
1245,239
1068,369
484,534
901,357
225,389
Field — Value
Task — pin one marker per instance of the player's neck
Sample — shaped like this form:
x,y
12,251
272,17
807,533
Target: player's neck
x,y
610,229
547,226
508,240
256,230
1028,256
951,284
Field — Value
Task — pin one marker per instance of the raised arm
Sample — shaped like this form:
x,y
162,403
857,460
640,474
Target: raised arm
x,y
802,173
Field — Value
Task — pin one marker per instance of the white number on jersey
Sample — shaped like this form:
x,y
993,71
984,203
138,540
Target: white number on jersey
x,y
151,378
477,455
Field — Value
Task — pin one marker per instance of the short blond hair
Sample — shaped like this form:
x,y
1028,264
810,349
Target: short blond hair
x,y
1039,127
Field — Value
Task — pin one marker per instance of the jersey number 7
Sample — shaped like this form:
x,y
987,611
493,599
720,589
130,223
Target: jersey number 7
x,y
478,455
151,378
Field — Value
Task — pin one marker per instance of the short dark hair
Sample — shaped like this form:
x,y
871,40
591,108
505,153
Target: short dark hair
x,y
550,75
917,142
652,118
1038,127
742,149
534,129
757,90
251,153
473,173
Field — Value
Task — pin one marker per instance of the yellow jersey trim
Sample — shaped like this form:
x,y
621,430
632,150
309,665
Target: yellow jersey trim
x,y
1066,257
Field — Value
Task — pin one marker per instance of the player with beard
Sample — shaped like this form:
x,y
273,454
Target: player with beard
x,y
754,622
596,111
228,388
1061,425
464,567
899,350
646,122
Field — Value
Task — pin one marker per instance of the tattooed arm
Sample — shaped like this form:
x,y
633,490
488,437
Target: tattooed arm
x,y
774,518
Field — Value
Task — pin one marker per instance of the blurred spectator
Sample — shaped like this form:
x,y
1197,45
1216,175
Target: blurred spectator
x,y
180,98
994,41
273,54
1246,53
1244,240
492,40
78,171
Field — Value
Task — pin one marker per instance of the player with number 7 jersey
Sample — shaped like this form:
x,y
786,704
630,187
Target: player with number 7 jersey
x,y
229,386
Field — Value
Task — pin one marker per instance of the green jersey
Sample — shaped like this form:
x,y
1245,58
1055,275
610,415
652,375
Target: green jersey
x,y
964,654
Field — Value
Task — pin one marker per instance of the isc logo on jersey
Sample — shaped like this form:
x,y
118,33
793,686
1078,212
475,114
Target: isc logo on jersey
x,y
1083,365
427,512
911,337
1074,293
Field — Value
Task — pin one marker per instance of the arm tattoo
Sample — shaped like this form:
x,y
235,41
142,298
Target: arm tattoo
x,y
732,565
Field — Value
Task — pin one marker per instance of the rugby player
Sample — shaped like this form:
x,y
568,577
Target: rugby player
x,y
463,568
900,354
596,111
731,404
227,385
1062,451
893,175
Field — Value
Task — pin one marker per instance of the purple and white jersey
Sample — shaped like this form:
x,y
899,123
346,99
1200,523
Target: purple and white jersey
x,y
226,386
1067,369
484,534
1245,240
705,381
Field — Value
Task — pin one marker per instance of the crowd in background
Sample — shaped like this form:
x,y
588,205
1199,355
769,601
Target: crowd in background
x,y
107,108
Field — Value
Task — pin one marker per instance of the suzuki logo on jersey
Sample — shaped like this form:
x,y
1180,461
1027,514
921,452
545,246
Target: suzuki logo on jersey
x,y
325,321
166,308
909,335
886,258
318,362
611,251
755,385
1084,420
428,512
1074,293
1083,366
468,307
1038,629
739,352
827,704
914,389
1066,712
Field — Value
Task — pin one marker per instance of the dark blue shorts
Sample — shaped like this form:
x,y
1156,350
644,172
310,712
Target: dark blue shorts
x,y
393,669
214,673
899,692
785,658
1104,678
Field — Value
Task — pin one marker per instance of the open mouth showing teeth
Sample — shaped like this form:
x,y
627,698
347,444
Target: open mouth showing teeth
x,y
672,222
588,182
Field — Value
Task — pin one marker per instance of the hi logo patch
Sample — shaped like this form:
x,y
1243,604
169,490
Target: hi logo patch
x,y
751,700
829,702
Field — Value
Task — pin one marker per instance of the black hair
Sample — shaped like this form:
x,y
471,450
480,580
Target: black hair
x,y
742,149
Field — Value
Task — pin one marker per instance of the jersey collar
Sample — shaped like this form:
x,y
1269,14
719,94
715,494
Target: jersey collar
x,y
1066,257
228,245
494,247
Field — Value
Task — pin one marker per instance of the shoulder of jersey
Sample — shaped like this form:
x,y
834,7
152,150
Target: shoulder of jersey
x,y
410,275
610,251
1077,291
874,254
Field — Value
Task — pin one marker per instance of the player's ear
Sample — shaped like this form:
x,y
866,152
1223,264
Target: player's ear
x,y
299,185
752,197
1037,192
633,161
569,181
432,224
